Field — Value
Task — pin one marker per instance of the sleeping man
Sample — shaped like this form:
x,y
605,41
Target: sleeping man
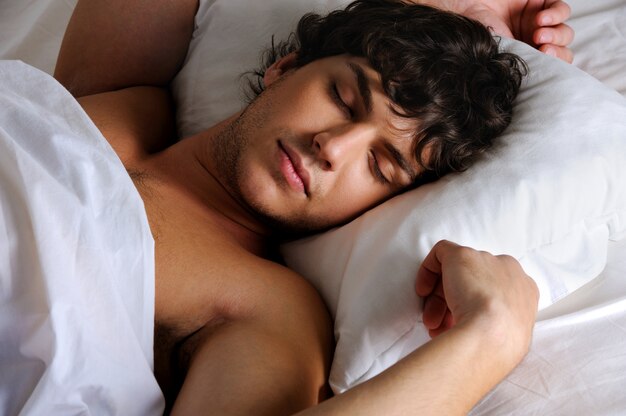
x,y
362,105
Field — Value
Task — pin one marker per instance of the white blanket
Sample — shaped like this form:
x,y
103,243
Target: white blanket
x,y
76,261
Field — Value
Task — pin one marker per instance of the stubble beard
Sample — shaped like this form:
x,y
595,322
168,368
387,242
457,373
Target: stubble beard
x,y
227,152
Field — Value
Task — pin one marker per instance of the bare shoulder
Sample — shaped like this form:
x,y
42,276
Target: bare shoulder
x,y
281,302
282,290
136,121
272,358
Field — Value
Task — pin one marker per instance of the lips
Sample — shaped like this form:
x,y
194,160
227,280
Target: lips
x,y
292,169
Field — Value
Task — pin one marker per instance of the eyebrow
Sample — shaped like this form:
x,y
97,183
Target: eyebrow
x,y
363,85
366,96
401,161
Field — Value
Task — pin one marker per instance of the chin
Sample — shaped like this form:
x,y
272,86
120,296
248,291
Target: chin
x,y
282,217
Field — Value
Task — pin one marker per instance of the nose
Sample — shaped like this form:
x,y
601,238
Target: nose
x,y
341,145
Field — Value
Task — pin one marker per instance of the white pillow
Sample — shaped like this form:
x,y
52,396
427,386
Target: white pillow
x,y
227,41
551,193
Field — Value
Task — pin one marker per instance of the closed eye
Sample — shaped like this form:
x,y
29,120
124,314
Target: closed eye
x,y
375,168
334,94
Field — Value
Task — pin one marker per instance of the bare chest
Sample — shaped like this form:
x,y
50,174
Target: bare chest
x,y
202,266
202,274
203,278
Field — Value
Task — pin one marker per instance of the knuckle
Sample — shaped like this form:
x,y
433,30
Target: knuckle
x,y
507,258
467,254
510,263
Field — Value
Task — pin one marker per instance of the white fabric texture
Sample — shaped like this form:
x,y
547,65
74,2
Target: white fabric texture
x,y
550,194
76,265
32,30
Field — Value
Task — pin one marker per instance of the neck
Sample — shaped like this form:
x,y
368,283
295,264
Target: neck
x,y
187,168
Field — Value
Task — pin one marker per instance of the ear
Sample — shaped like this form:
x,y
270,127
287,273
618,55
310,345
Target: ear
x,y
278,68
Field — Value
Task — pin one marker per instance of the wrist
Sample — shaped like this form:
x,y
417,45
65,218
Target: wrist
x,y
505,337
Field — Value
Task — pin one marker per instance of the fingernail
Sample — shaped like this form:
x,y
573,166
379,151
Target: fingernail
x,y
546,20
550,51
545,38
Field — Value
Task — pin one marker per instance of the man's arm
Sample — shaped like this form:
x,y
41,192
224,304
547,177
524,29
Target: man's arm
x,y
136,121
491,305
118,58
115,44
269,358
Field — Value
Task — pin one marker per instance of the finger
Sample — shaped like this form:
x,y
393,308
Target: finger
x,y
427,277
560,52
555,12
433,333
434,312
447,323
448,320
560,35
429,272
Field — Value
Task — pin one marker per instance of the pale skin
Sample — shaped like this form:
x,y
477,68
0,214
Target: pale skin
x,y
250,335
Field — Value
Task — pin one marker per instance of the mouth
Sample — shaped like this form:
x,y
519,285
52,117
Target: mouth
x,y
292,169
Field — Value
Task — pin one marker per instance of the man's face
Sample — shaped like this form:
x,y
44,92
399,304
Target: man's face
x,y
318,147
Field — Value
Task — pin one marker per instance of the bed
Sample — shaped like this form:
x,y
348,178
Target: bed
x,y
577,362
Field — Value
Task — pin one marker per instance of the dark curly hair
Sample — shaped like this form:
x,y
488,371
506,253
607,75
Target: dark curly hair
x,y
442,69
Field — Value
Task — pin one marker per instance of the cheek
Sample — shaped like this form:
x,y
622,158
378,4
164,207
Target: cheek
x,y
255,180
351,195
305,107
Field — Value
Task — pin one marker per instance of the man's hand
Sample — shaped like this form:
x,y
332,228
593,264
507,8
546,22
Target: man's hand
x,y
540,23
461,285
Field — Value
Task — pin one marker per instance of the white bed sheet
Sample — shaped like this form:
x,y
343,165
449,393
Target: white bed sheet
x,y
76,261
32,30
578,360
